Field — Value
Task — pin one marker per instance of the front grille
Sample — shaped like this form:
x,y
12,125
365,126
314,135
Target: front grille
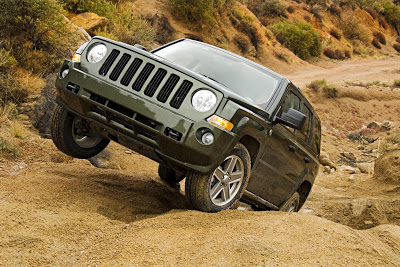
x,y
167,88
119,67
133,68
138,84
108,63
154,81
181,94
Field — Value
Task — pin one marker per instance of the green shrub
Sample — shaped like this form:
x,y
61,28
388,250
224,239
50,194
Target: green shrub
x,y
7,147
337,54
270,8
396,83
380,37
335,32
35,32
331,91
198,12
299,37
317,85
353,29
103,8
242,43
247,27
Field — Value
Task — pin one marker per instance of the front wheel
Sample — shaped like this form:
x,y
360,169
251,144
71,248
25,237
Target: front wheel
x,y
223,187
73,136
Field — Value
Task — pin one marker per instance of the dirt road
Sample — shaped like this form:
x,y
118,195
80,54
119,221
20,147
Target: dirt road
x,y
56,211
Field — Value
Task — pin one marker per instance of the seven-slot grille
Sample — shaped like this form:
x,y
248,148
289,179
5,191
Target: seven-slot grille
x,y
155,76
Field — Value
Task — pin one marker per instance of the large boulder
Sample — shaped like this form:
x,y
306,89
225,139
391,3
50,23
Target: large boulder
x,y
387,167
325,160
90,21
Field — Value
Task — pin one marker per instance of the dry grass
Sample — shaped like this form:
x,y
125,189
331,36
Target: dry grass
x,y
17,129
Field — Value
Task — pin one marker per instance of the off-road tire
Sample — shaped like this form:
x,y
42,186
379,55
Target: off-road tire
x,y
61,133
198,186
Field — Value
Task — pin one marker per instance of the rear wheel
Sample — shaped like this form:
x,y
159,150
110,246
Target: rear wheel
x,y
224,186
293,203
73,136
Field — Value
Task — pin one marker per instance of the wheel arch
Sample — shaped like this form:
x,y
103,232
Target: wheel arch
x,y
304,190
252,145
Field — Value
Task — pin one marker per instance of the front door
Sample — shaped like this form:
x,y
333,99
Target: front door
x,y
282,162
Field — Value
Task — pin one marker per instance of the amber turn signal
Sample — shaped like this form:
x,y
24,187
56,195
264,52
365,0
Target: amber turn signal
x,y
76,58
220,122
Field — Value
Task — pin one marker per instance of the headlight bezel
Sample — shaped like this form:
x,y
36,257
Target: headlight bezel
x,y
100,54
204,105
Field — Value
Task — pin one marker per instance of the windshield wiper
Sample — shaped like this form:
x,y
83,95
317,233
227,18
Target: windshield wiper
x,y
212,79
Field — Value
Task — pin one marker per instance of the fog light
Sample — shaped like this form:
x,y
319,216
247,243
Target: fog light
x,y
207,138
64,73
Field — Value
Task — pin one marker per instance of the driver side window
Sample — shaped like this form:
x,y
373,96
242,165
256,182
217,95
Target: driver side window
x,y
291,101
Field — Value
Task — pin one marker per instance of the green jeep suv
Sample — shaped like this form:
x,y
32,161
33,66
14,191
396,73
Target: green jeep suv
x,y
233,128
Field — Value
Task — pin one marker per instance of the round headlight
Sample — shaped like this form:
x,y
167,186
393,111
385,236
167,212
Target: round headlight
x,y
96,53
204,100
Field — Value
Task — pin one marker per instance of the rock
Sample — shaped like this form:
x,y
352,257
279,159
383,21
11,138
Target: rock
x,y
327,169
387,167
387,126
347,169
366,167
374,125
349,156
325,160
90,21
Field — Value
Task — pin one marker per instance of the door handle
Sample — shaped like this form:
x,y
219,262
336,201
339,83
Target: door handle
x,y
307,160
292,148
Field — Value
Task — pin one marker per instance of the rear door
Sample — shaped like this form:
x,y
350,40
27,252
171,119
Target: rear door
x,y
282,162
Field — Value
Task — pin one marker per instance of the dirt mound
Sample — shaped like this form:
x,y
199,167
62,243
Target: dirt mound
x,y
76,214
387,167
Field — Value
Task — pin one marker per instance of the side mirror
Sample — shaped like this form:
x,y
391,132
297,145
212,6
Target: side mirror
x,y
292,118
141,47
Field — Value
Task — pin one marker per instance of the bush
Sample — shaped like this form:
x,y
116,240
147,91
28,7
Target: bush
x,y
396,83
397,47
380,37
337,54
246,26
103,8
7,147
376,43
291,9
198,12
317,11
334,9
353,29
317,85
271,8
331,91
35,31
242,43
299,37
335,32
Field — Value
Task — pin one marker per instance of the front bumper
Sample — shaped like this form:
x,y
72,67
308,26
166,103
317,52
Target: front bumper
x,y
142,125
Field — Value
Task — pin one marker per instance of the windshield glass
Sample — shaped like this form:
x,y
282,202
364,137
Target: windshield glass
x,y
243,78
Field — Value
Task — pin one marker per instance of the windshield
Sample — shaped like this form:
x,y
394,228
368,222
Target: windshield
x,y
243,78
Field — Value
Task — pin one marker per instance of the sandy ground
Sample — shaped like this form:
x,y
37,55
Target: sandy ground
x,y
58,211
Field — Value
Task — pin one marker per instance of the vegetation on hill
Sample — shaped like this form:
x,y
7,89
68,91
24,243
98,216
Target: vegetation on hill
x,y
36,35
